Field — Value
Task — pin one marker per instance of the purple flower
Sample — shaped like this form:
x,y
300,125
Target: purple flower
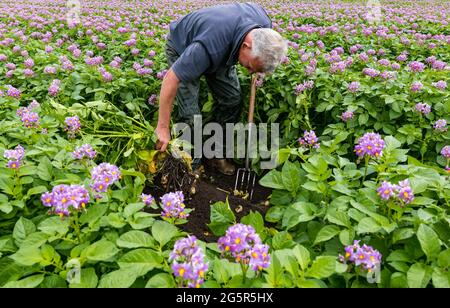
x,y
53,90
147,199
29,63
94,61
386,190
441,85
395,66
416,66
309,139
353,87
423,108
366,256
416,86
148,63
13,92
73,125
151,53
371,144
371,72
440,125
50,70
106,76
152,99
10,66
64,197
104,175
243,245
405,192
135,51
445,152
173,207
189,264
85,150
347,115
160,75
14,157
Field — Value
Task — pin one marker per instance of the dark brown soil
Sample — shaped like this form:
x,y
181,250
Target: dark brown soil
x,y
214,187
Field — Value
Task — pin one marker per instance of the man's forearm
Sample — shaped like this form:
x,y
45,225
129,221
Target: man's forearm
x,y
166,97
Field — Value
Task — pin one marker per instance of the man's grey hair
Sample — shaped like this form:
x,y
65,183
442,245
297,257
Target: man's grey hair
x,y
269,47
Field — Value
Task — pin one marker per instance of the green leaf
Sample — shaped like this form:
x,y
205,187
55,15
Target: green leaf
x,y
53,281
322,267
326,233
54,225
22,229
115,220
132,208
224,270
135,239
221,217
88,279
45,169
9,270
302,255
161,280
282,240
291,176
398,280
402,234
36,190
272,180
274,276
101,251
29,282
297,213
429,241
338,218
163,232
255,220
36,239
140,261
368,225
275,213
118,279
418,275
93,213
141,220
392,143
27,256
7,185
441,278
346,237
444,258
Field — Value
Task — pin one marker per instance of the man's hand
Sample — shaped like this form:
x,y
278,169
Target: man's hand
x,y
163,134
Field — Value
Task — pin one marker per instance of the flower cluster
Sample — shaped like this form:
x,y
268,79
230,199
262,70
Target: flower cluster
x,y
402,191
440,125
366,256
307,85
173,206
353,87
445,152
441,85
53,90
371,144
73,125
14,157
147,199
13,92
347,115
423,108
103,176
416,86
29,118
188,262
85,150
63,197
243,245
309,139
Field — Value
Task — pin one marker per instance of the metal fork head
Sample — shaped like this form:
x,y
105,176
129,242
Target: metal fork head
x,y
245,182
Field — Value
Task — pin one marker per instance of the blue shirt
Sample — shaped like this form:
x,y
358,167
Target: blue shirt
x,y
210,38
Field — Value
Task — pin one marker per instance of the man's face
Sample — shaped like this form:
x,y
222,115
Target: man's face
x,y
252,64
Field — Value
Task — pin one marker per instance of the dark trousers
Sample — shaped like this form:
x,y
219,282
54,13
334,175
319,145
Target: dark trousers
x,y
225,88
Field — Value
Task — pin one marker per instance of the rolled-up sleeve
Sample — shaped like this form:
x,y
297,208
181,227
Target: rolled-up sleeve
x,y
192,63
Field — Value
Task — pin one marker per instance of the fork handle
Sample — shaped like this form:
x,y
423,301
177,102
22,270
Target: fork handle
x,y
251,109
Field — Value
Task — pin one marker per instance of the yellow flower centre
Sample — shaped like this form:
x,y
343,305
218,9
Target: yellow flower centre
x,y
376,154
347,254
372,258
47,200
255,255
369,147
181,272
386,192
201,273
106,180
227,248
64,200
100,186
83,205
361,257
405,194
237,241
260,267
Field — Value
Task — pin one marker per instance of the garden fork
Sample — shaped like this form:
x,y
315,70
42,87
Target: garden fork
x,y
245,178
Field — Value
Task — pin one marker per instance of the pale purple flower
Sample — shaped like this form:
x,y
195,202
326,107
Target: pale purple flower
x,y
416,66
371,72
10,66
73,125
405,192
309,139
386,191
353,87
65,197
423,108
445,152
441,85
173,207
53,90
29,63
151,53
148,63
440,125
147,199
103,176
135,51
50,70
347,115
371,144
14,157
366,256
152,99
85,151
13,92
161,74
416,86
189,264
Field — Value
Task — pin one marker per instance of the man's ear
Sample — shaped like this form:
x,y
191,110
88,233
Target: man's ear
x,y
246,45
